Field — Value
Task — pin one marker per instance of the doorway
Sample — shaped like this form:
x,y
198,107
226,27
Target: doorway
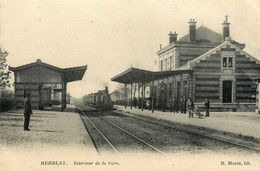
x,y
227,91
45,97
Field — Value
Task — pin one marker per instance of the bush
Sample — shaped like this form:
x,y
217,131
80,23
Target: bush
x,y
7,101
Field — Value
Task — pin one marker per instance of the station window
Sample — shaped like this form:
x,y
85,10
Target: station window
x,y
227,62
224,62
230,62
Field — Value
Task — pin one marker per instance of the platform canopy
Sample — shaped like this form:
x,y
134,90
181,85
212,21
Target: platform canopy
x,y
70,74
135,75
75,73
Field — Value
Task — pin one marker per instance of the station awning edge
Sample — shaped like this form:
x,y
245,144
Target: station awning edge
x,y
135,75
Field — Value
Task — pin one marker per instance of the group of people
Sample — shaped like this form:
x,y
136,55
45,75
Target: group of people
x,y
175,105
189,105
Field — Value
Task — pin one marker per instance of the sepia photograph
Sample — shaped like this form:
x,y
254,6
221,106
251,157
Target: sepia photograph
x,y
130,85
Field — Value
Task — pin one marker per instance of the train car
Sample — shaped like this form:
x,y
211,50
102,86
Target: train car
x,y
89,99
100,100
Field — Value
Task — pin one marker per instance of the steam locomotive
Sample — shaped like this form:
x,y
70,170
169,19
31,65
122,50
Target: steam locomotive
x,y
100,100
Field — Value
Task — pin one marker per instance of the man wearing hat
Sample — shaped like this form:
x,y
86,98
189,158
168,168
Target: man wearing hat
x,y
27,112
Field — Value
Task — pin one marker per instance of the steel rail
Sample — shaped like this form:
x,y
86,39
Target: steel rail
x,y
154,148
100,132
197,133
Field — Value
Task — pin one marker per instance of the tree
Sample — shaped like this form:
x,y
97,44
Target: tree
x,y
4,73
6,96
124,90
6,100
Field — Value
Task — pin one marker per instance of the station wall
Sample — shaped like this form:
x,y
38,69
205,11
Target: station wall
x,y
40,82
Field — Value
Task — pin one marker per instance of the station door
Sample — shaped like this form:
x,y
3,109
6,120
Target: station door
x,y
45,97
227,91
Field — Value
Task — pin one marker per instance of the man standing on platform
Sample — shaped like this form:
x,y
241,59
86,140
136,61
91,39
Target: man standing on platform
x,y
207,106
182,105
164,103
190,106
27,112
176,105
135,102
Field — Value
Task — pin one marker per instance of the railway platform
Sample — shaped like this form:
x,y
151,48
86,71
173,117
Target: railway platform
x,y
69,108
55,138
244,123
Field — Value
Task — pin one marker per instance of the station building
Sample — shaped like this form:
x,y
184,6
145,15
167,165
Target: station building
x,y
201,64
45,83
257,79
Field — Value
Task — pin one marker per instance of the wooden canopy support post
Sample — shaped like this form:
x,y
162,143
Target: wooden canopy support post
x,y
182,93
144,91
63,96
131,96
153,95
125,96
138,96
142,101
134,95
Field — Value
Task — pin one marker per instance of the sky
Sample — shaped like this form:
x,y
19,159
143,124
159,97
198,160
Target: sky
x,y
112,36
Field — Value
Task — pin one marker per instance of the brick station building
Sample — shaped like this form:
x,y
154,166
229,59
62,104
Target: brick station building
x,y
44,82
201,64
257,79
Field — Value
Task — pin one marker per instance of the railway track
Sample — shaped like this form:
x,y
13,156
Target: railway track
x,y
257,150
162,124
115,150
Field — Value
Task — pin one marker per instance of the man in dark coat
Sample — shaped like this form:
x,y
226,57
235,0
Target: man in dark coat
x,y
175,105
139,103
27,112
135,102
190,106
182,105
164,101
207,106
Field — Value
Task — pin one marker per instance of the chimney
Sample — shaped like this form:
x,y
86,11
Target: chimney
x,y
225,31
173,37
160,46
106,90
192,31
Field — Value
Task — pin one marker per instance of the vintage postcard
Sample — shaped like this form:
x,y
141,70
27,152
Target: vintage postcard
x,y
130,85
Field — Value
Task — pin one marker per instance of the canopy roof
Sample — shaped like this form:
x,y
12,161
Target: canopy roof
x,y
135,75
70,74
